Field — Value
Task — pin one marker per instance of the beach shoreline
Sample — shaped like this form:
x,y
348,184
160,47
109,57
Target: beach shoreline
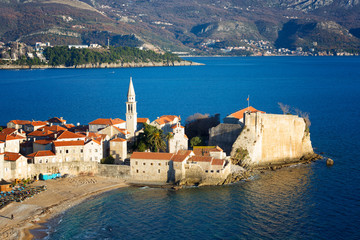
x,y
61,195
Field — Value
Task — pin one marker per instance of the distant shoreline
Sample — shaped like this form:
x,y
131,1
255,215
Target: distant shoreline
x,y
102,65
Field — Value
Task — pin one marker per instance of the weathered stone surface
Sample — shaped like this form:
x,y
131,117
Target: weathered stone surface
x,y
224,136
273,139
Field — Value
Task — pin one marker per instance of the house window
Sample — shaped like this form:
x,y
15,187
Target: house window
x,y
66,151
82,150
46,161
158,170
217,171
144,164
137,170
90,158
136,163
143,171
212,170
89,150
60,151
206,171
151,164
96,150
96,158
40,161
159,164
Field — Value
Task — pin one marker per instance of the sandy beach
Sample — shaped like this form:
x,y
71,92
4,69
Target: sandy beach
x,y
61,194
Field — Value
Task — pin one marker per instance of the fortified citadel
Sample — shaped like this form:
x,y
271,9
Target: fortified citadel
x,y
247,139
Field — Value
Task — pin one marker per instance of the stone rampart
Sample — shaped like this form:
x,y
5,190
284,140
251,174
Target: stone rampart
x,y
114,171
224,136
273,139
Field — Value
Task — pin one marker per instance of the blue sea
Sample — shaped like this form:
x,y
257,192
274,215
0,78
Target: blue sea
x,y
301,202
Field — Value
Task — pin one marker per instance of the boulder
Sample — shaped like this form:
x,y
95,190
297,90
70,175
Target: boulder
x,y
329,162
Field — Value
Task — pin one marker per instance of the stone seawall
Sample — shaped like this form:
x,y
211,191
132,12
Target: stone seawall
x,y
78,168
273,139
105,65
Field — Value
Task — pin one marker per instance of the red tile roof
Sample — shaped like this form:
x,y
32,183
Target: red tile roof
x,y
41,154
66,134
53,128
56,120
181,155
20,122
217,162
175,126
68,126
143,120
118,140
166,119
240,114
93,140
40,133
107,121
37,123
200,159
122,130
68,143
10,156
6,137
44,141
151,156
205,150
8,130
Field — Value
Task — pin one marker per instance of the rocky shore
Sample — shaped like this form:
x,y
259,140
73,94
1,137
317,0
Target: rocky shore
x,y
104,65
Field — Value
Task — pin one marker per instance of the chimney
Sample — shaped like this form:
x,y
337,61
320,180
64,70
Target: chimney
x,y
61,118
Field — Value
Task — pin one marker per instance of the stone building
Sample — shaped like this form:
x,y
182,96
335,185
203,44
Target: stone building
x,y
166,122
151,167
34,125
57,121
18,124
2,150
179,140
15,166
118,149
12,142
101,123
42,157
238,117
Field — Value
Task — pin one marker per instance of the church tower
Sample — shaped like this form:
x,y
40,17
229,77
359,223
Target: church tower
x,y
131,114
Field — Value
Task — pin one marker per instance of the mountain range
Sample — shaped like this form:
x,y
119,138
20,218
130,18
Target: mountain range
x,y
185,26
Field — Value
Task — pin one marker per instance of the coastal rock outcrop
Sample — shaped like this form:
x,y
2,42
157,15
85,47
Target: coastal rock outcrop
x,y
272,139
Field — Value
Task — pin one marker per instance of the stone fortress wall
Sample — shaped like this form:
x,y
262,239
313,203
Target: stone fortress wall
x,y
273,138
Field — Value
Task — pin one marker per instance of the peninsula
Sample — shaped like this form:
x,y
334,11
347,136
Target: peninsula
x,y
17,55
108,153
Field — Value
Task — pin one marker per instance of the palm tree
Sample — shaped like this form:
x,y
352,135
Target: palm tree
x,y
157,141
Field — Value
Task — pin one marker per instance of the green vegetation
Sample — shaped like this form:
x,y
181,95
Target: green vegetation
x,y
196,141
28,61
239,157
151,139
108,160
72,57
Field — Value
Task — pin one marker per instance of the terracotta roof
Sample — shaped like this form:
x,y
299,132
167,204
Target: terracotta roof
x,y
217,162
37,123
8,130
118,140
184,152
68,143
175,126
179,157
240,114
40,133
68,126
143,120
166,119
216,149
44,141
20,122
93,140
41,154
56,120
152,156
205,150
200,159
53,128
107,121
122,130
6,137
66,134
10,156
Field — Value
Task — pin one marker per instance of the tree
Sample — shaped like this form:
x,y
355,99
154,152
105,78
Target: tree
x,y
151,138
108,160
195,141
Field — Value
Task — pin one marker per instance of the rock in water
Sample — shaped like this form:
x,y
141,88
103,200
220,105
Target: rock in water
x,y
329,162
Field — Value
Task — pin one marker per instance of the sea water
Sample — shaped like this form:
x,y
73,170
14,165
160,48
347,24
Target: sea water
x,y
301,202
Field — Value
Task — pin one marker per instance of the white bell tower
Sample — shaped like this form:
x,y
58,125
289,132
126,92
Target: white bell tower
x,y
131,114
